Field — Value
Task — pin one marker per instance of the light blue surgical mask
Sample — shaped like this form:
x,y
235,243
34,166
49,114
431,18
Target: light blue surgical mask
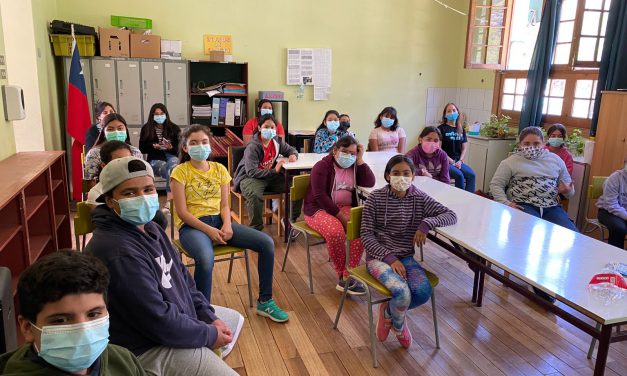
x,y
387,122
199,152
73,347
452,116
333,125
556,142
345,160
159,119
265,111
139,210
115,136
268,133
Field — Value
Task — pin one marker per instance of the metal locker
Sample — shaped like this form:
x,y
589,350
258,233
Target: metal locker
x,y
177,92
152,85
103,79
129,91
87,76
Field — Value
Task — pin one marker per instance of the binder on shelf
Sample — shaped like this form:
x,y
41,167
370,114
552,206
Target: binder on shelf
x,y
222,114
238,111
230,114
215,111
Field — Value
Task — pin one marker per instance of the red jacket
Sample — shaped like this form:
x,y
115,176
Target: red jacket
x,y
321,186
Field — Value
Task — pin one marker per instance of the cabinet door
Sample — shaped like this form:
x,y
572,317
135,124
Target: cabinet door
x,y
129,93
476,159
176,92
103,79
87,76
152,85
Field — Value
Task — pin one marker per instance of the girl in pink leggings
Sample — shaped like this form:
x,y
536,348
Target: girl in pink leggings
x,y
330,196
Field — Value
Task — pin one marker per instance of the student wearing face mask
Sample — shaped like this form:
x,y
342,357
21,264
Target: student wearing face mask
x,y
328,132
330,196
64,320
264,107
387,135
259,172
159,139
427,156
613,206
557,144
202,214
395,219
102,110
454,143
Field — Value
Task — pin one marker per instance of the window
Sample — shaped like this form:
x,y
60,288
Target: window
x,y
583,102
554,97
488,34
513,91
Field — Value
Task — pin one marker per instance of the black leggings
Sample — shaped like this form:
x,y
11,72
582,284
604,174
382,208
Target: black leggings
x,y
616,226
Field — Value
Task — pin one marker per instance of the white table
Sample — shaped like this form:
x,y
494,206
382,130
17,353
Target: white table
x,y
547,256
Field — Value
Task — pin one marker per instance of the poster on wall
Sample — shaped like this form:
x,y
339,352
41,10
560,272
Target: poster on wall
x,y
310,67
216,42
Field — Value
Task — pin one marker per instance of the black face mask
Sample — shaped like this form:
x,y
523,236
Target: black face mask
x,y
345,124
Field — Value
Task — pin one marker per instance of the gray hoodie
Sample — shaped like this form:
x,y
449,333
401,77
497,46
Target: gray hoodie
x,y
530,181
614,198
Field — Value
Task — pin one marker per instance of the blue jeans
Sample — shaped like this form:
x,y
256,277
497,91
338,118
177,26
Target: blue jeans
x,y
464,177
554,214
164,168
200,246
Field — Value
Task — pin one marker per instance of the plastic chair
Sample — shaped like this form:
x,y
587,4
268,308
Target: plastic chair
x,y
298,190
595,190
361,274
82,224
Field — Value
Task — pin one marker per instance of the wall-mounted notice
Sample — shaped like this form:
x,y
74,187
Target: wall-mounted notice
x,y
312,67
214,42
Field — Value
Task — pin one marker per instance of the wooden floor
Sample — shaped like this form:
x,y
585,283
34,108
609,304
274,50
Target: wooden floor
x,y
509,335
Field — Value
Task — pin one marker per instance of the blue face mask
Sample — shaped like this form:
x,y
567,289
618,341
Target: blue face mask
x,y
265,111
115,135
452,116
199,152
139,210
159,119
268,133
556,142
333,125
387,122
74,347
346,160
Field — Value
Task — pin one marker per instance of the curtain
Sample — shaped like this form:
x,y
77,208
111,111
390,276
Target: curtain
x,y
541,60
613,67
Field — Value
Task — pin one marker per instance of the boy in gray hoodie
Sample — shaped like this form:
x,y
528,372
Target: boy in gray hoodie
x,y
613,207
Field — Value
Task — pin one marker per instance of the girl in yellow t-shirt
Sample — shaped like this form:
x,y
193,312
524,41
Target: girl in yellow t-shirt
x,y
201,197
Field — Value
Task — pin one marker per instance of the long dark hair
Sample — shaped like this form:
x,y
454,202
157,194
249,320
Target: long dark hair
x,y
261,102
458,123
430,129
171,131
399,158
344,142
183,155
391,111
556,127
109,118
323,125
101,106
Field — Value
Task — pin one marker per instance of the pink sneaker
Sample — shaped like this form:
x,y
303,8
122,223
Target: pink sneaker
x,y
383,325
404,336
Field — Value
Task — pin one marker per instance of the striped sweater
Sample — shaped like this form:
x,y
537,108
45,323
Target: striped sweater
x,y
389,222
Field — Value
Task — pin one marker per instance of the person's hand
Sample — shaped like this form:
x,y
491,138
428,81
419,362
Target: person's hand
x,y
458,164
343,218
563,188
420,238
224,338
156,146
216,236
426,173
399,269
221,325
227,229
360,152
292,158
515,206
279,165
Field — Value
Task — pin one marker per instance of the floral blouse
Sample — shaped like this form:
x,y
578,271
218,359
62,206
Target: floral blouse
x,y
324,140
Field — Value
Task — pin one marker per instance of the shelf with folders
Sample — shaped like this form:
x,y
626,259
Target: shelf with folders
x,y
220,144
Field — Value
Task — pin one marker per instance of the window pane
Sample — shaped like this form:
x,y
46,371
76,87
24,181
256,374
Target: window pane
x,y
478,54
546,88
590,24
521,83
594,4
483,2
555,106
508,102
565,32
586,49
496,18
493,55
495,36
591,109
562,52
604,23
594,88
523,32
479,35
545,105
607,4
600,50
583,89
557,88
498,2
509,85
569,10
580,108
481,16
518,103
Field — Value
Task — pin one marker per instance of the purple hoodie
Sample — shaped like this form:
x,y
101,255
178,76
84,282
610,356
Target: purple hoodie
x,y
436,164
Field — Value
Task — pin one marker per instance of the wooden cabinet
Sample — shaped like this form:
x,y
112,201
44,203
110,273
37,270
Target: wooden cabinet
x,y
610,148
484,155
34,209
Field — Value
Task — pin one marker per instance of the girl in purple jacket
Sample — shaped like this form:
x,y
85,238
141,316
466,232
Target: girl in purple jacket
x,y
330,196
429,159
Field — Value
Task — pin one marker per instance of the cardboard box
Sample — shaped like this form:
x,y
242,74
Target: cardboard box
x,y
171,49
146,46
216,56
114,42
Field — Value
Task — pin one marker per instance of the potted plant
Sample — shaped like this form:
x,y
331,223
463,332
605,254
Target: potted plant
x,y
497,127
575,142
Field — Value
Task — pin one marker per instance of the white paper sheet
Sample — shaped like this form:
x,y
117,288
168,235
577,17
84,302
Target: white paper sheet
x,y
321,93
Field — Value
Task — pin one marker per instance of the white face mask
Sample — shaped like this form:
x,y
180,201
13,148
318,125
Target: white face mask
x,y
401,183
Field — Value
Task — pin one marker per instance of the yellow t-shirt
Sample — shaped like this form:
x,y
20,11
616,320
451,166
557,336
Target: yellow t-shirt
x,y
202,188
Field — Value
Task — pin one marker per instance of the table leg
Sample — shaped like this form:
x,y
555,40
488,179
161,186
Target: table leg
x,y
475,286
604,347
480,291
286,211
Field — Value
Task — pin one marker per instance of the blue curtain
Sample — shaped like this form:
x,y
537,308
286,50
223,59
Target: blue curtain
x,y
613,67
531,114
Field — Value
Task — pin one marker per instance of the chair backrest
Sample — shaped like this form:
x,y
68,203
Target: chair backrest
x,y
236,153
300,183
8,332
353,227
82,222
595,190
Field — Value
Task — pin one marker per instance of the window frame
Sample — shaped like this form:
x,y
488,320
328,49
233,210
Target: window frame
x,y
504,46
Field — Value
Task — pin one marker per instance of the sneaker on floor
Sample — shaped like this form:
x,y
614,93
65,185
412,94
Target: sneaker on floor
x,y
272,311
404,336
354,287
383,324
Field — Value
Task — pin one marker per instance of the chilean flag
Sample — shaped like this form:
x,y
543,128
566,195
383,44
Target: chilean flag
x,y
78,119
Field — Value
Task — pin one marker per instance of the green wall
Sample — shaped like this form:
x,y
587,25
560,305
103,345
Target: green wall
x,y
7,140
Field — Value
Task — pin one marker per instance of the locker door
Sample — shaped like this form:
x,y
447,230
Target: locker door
x,y
87,76
129,92
103,79
152,85
176,92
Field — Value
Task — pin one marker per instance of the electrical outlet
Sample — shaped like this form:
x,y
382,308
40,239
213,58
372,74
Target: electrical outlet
x,y
3,74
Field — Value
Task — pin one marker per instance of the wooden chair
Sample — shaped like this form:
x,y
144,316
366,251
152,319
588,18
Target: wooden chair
x,y
235,155
595,190
82,224
361,274
297,192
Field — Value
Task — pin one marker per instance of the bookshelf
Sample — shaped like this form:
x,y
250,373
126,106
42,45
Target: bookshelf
x,y
34,209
